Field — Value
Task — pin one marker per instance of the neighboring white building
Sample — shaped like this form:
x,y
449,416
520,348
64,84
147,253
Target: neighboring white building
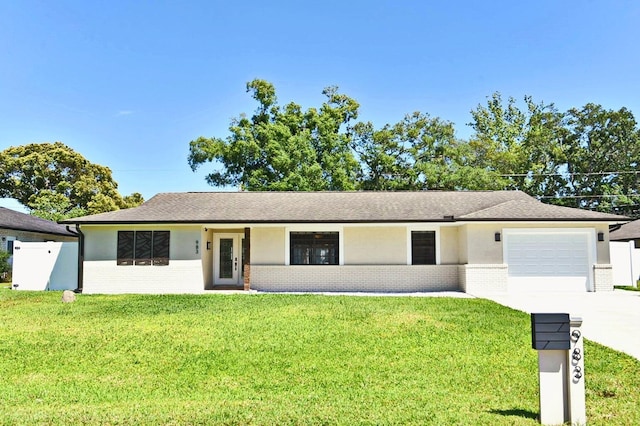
x,y
625,254
16,226
24,227
473,241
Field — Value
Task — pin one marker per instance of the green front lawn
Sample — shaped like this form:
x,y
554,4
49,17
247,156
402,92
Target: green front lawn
x,y
282,359
627,287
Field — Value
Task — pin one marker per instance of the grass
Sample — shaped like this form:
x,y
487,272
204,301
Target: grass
x,y
627,287
283,359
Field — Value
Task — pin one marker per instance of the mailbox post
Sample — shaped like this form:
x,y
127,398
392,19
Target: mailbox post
x,y
558,340
577,406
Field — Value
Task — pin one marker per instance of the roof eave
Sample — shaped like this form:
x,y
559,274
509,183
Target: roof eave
x,y
238,222
603,220
14,228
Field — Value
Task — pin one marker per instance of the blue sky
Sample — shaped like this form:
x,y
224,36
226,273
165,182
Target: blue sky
x,y
129,83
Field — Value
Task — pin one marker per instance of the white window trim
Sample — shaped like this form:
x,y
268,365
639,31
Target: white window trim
x,y
313,228
436,229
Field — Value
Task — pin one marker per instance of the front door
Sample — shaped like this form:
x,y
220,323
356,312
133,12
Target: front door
x,y
227,262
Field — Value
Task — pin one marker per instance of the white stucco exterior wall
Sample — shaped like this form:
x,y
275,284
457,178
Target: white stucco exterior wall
x,y
268,245
182,275
375,246
449,246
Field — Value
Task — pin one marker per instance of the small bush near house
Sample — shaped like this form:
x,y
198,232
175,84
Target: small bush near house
x,y
5,267
283,359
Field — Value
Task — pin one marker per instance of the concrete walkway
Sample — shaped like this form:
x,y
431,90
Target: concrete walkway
x,y
609,318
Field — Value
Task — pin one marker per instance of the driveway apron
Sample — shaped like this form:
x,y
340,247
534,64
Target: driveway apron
x,y
609,318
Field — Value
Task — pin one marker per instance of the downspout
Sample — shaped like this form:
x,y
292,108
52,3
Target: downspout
x,y
80,258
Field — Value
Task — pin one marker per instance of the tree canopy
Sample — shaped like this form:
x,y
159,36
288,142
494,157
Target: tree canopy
x,y
55,182
284,148
585,157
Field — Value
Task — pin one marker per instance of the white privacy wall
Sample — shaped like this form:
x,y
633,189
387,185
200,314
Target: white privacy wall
x,y
45,266
625,259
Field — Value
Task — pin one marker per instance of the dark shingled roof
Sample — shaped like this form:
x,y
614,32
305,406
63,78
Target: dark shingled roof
x,y
11,219
342,207
627,232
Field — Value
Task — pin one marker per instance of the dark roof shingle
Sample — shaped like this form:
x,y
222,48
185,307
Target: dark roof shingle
x,y
628,231
11,219
342,207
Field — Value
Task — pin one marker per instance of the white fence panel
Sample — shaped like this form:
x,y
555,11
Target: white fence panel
x,y
45,266
625,259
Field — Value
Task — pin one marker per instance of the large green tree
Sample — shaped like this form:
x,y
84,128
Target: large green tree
x,y
283,147
523,147
55,182
420,152
603,160
584,157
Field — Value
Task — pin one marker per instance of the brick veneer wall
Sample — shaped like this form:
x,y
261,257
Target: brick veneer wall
x,y
365,278
603,277
179,276
483,279
247,277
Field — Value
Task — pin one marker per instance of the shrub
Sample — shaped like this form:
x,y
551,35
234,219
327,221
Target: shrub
x,y
5,267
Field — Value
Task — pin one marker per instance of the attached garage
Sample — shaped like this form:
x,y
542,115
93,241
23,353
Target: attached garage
x,y
549,259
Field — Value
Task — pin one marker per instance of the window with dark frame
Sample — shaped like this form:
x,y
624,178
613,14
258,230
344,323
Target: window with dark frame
x,y
143,248
314,248
423,247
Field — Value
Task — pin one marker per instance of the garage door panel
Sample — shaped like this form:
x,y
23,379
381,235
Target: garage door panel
x,y
548,261
543,284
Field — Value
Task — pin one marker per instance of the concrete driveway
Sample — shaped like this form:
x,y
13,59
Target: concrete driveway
x,y
609,318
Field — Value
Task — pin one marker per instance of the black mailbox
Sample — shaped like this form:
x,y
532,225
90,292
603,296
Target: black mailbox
x,y
550,332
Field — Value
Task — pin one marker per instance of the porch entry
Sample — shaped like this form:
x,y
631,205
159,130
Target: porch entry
x,y
229,253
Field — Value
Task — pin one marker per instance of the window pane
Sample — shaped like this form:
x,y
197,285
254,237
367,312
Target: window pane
x,y
300,255
243,257
143,248
161,247
314,248
125,248
226,258
423,248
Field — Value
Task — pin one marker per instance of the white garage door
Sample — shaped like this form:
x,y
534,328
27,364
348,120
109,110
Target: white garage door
x,y
553,260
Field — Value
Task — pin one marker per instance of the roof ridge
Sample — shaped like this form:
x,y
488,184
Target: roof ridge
x,y
354,191
489,208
